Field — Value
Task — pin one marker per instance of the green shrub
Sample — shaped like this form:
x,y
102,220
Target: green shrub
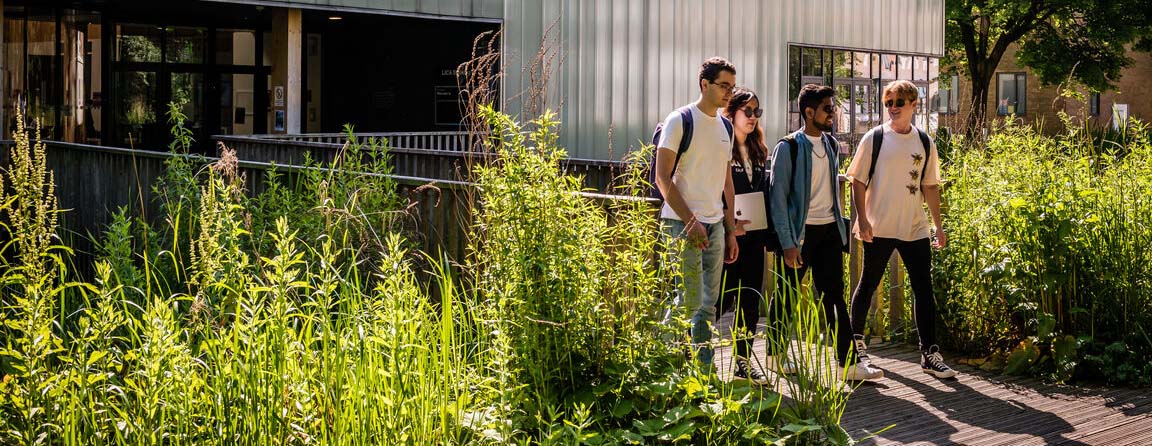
x,y
1048,240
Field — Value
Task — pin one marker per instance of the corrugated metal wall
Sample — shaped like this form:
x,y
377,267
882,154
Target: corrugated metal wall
x,y
477,9
624,64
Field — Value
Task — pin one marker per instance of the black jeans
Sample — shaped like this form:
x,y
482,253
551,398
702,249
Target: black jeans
x,y
917,257
822,253
743,290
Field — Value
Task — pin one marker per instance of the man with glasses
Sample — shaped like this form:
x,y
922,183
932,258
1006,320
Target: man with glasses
x,y
894,172
807,213
693,183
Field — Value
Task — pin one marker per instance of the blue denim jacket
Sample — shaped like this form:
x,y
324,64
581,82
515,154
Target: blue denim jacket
x,y
789,199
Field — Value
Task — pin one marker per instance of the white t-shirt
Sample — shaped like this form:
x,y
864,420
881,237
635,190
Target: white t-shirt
x,y
821,202
703,167
895,201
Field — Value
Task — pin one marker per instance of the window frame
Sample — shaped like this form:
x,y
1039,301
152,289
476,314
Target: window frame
x,y
1020,79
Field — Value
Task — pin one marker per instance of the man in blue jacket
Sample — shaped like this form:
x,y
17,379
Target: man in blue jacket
x,y
807,214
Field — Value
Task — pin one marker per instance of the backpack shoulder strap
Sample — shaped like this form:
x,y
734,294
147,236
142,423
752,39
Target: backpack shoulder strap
x,y
685,137
927,143
793,149
833,143
727,125
877,141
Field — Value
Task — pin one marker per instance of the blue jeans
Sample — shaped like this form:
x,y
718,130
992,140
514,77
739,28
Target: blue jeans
x,y
699,284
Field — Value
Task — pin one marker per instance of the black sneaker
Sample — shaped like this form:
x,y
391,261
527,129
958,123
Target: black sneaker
x,y
861,349
744,370
933,363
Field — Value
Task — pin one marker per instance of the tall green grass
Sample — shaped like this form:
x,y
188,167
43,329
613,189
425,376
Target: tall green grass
x,y
1047,257
296,316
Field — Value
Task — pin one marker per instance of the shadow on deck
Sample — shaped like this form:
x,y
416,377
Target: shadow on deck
x,y
980,408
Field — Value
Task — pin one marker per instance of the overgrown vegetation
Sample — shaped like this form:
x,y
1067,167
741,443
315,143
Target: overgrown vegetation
x,y
1048,267
295,316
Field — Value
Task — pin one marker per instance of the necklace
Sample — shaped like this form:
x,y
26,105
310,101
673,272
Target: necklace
x,y
819,153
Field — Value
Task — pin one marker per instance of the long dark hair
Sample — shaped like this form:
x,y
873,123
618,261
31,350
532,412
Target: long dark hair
x,y
757,150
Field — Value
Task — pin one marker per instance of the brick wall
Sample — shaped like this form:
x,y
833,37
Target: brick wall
x,y
1043,102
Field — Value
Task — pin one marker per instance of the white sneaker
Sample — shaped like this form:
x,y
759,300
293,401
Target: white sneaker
x,y
781,366
861,372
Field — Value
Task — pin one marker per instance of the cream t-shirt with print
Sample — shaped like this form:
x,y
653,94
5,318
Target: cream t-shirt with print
x,y
895,200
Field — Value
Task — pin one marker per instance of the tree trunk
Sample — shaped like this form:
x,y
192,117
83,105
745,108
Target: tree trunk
x,y
981,78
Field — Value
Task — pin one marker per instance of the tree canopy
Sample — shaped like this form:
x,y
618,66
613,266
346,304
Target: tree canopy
x,y
1085,40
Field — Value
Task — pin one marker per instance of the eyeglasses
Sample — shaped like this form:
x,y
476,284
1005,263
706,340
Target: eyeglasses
x,y
899,102
724,85
750,113
829,109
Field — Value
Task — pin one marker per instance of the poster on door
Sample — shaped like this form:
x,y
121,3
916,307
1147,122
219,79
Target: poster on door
x,y
278,96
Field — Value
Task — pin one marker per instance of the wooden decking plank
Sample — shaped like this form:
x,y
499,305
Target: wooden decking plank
x,y
982,408
1106,428
1077,414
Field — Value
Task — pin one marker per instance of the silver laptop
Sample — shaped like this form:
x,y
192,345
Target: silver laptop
x,y
750,207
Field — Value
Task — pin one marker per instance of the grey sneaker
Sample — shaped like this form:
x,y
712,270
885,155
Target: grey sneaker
x,y
745,371
933,363
861,372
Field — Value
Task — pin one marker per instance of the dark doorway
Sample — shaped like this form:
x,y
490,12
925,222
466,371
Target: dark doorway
x,y
386,73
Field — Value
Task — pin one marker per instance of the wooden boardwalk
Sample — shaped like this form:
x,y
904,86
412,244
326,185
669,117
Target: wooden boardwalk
x,y
981,408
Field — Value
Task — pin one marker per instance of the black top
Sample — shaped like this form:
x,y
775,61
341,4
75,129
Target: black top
x,y
742,185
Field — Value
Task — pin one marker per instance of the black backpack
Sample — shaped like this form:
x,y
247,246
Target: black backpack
x,y
685,141
878,140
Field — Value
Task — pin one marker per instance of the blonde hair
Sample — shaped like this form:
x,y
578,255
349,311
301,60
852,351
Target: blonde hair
x,y
903,89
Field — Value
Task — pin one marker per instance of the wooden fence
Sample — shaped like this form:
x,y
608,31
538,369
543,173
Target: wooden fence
x,y
92,182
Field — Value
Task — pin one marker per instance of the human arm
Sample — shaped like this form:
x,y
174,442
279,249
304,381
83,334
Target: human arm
x,y
695,233
731,248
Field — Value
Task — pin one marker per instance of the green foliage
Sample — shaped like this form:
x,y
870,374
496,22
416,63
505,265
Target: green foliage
x,y
1058,39
1047,238
296,317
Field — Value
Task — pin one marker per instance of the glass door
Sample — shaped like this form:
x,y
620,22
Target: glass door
x,y
857,112
135,120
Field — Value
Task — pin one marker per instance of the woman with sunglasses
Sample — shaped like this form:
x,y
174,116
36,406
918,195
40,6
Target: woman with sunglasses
x,y
743,278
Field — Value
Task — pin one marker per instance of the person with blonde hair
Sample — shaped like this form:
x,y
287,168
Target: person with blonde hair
x,y
894,172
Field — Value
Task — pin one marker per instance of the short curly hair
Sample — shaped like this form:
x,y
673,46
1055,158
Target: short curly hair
x,y
811,95
711,68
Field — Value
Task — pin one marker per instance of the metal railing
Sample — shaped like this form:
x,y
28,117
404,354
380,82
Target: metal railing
x,y
92,182
412,154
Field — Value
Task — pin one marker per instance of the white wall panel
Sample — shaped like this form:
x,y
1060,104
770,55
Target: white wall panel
x,y
627,63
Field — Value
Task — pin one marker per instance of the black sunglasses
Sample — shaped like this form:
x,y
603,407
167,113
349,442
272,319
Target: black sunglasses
x,y
749,112
899,102
829,109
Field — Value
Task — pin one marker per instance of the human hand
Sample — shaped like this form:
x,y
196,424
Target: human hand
x,y
731,248
792,258
940,240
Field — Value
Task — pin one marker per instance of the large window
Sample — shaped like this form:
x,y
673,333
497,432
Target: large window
x,y
1011,94
947,101
858,76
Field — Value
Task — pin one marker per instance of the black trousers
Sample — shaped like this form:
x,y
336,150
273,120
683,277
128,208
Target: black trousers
x,y
742,290
917,257
822,254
